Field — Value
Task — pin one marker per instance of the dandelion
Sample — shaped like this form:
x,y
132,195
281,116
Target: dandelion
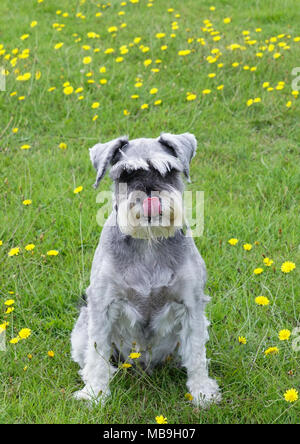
x,y
95,105
62,146
58,45
291,395
27,202
184,52
233,241
287,267
78,190
268,262
188,396
24,333
161,420
227,20
30,247
272,351
206,91
25,147
9,302
126,365
258,271
284,335
1,243
126,112
9,310
68,90
145,106
52,253
262,300
190,97
134,355
153,91
247,247
14,340
158,102
51,354
14,252
242,340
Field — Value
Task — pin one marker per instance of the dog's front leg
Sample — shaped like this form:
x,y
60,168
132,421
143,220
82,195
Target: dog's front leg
x,y
193,337
97,370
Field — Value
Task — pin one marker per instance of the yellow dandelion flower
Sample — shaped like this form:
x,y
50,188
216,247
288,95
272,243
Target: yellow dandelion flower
x,y
126,112
291,395
87,60
206,91
258,271
126,365
262,300
95,105
284,335
268,262
30,247
68,90
51,354
288,266
247,247
52,253
233,241
191,97
272,351
153,91
27,202
58,45
158,102
25,147
63,146
9,310
161,420
188,396
134,355
9,302
145,106
24,333
14,340
14,252
242,340
184,52
78,190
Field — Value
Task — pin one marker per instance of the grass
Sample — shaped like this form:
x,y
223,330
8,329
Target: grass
x,y
247,164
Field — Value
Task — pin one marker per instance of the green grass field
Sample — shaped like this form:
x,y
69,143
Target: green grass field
x,y
247,164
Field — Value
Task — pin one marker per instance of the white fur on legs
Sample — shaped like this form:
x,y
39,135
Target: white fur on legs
x,y
97,370
194,336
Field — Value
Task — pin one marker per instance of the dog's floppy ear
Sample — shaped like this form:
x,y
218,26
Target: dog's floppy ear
x,y
102,154
184,147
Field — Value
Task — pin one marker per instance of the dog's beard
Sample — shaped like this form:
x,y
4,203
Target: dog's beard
x,y
132,222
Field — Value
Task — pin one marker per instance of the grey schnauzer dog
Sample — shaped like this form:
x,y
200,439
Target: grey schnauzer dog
x,y
146,292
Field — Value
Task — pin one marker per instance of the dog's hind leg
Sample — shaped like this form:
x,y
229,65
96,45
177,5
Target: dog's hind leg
x,y
79,338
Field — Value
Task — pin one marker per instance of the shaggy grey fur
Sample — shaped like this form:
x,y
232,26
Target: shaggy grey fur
x,y
145,294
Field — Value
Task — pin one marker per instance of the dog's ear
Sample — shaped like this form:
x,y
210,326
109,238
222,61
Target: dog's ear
x,y
102,155
184,147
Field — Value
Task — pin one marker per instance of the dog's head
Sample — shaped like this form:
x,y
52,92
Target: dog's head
x,y
148,184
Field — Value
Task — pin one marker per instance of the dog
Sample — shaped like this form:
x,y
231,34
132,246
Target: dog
x,y
146,292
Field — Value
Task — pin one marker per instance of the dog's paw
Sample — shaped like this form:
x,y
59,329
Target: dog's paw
x,y
205,392
93,397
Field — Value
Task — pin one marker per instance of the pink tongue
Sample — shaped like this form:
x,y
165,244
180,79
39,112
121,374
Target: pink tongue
x,y
151,207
